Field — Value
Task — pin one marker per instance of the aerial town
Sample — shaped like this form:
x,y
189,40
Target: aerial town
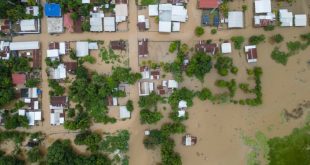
x,y
154,82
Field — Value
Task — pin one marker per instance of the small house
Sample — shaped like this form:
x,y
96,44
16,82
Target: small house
x,y
300,20
145,72
71,67
226,47
143,50
155,74
18,78
96,24
118,45
143,23
235,19
172,84
251,53
124,113
58,73
145,88
57,117
203,46
55,25
262,6
182,105
58,102
82,49
286,18
109,24
189,140
153,10
121,12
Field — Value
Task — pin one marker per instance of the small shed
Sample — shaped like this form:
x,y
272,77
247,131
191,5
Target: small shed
x,y
165,26
226,47
300,20
82,49
143,49
172,84
251,53
189,140
124,113
109,24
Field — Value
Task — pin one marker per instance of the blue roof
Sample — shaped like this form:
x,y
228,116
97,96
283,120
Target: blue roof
x,y
52,10
216,21
205,19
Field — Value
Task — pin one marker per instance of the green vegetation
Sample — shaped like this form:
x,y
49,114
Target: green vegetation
x,y
199,31
255,40
14,121
19,64
213,31
86,26
244,8
224,64
230,85
175,45
50,63
199,65
149,101
168,156
278,38
34,155
269,28
10,160
291,149
155,138
181,94
150,117
56,89
16,136
99,88
90,59
81,121
238,41
293,47
279,56
6,86
30,83
149,113
129,105
119,141
205,94
90,139
148,2
224,8
108,56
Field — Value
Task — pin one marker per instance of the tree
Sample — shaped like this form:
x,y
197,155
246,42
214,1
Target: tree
x,y
12,122
34,155
129,105
149,101
154,139
213,31
82,121
118,141
244,8
278,38
90,139
223,65
16,13
181,94
255,40
148,2
149,117
6,90
174,46
74,16
56,89
86,26
293,47
90,59
10,160
238,41
30,83
269,28
124,75
199,65
205,94
279,56
199,31
20,64
168,156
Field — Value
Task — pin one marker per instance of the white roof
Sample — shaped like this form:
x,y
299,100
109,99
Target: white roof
x,y
286,18
55,24
235,19
55,118
181,113
21,112
34,9
145,88
27,100
82,49
153,10
52,53
262,6
164,26
121,12
30,116
141,18
30,45
146,74
37,115
85,1
36,105
172,84
33,92
62,48
114,100
188,140
100,14
268,16
182,104
178,13
176,26
96,24
59,72
248,47
165,6
226,47
27,25
109,24
93,46
123,112
300,20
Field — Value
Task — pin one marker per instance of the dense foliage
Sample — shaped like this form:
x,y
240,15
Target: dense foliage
x,y
34,155
199,31
277,38
55,88
6,86
30,83
205,94
181,94
113,142
149,101
150,117
199,65
279,56
81,121
148,2
255,40
238,41
175,45
14,121
223,65
90,139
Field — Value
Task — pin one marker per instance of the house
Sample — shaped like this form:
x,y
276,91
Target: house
x,y
118,45
176,26
171,84
121,12
55,25
264,20
286,18
71,67
33,93
143,50
189,140
203,46
112,101
145,88
181,113
58,73
177,2
145,72
58,102
82,49
29,26
143,23
153,10
52,10
155,74
182,105
109,24
33,10
251,53
208,4
57,117
168,14
235,19
28,45
262,6
18,79
4,50
226,47
96,24
300,20
124,113
62,47
52,53
32,116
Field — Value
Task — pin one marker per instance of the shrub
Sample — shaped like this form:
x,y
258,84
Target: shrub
x,y
269,28
199,31
129,105
238,41
279,56
255,40
30,83
148,2
234,70
293,47
277,38
149,117
174,46
213,31
205,94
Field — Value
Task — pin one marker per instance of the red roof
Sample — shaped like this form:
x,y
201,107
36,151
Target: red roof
x,y
208,4
18,79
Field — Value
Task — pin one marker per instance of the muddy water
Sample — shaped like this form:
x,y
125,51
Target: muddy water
x,y
216,126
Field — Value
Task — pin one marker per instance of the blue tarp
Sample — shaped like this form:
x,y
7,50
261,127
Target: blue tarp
x,y
205,19
216,21
52,10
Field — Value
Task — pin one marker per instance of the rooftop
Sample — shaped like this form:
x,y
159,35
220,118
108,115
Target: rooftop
x,y
52,10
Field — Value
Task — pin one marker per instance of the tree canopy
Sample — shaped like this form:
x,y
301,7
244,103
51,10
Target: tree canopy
x,y
199,65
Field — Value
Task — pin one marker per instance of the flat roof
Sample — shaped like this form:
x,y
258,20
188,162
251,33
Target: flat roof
x,y
55,25
82,49
262,6
300,20
109,24
52,10
235,19
28,45
164,26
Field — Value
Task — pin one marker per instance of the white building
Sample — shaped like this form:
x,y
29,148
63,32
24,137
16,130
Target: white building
x,y
57,117
235,19
109,24
29,45
226,48
96,24
300,20
121,12
59,72
27,25
82,49
153,10
262,6
124,113
286,18
145,88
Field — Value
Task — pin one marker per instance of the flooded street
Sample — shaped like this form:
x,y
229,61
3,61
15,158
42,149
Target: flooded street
x,y
217,127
